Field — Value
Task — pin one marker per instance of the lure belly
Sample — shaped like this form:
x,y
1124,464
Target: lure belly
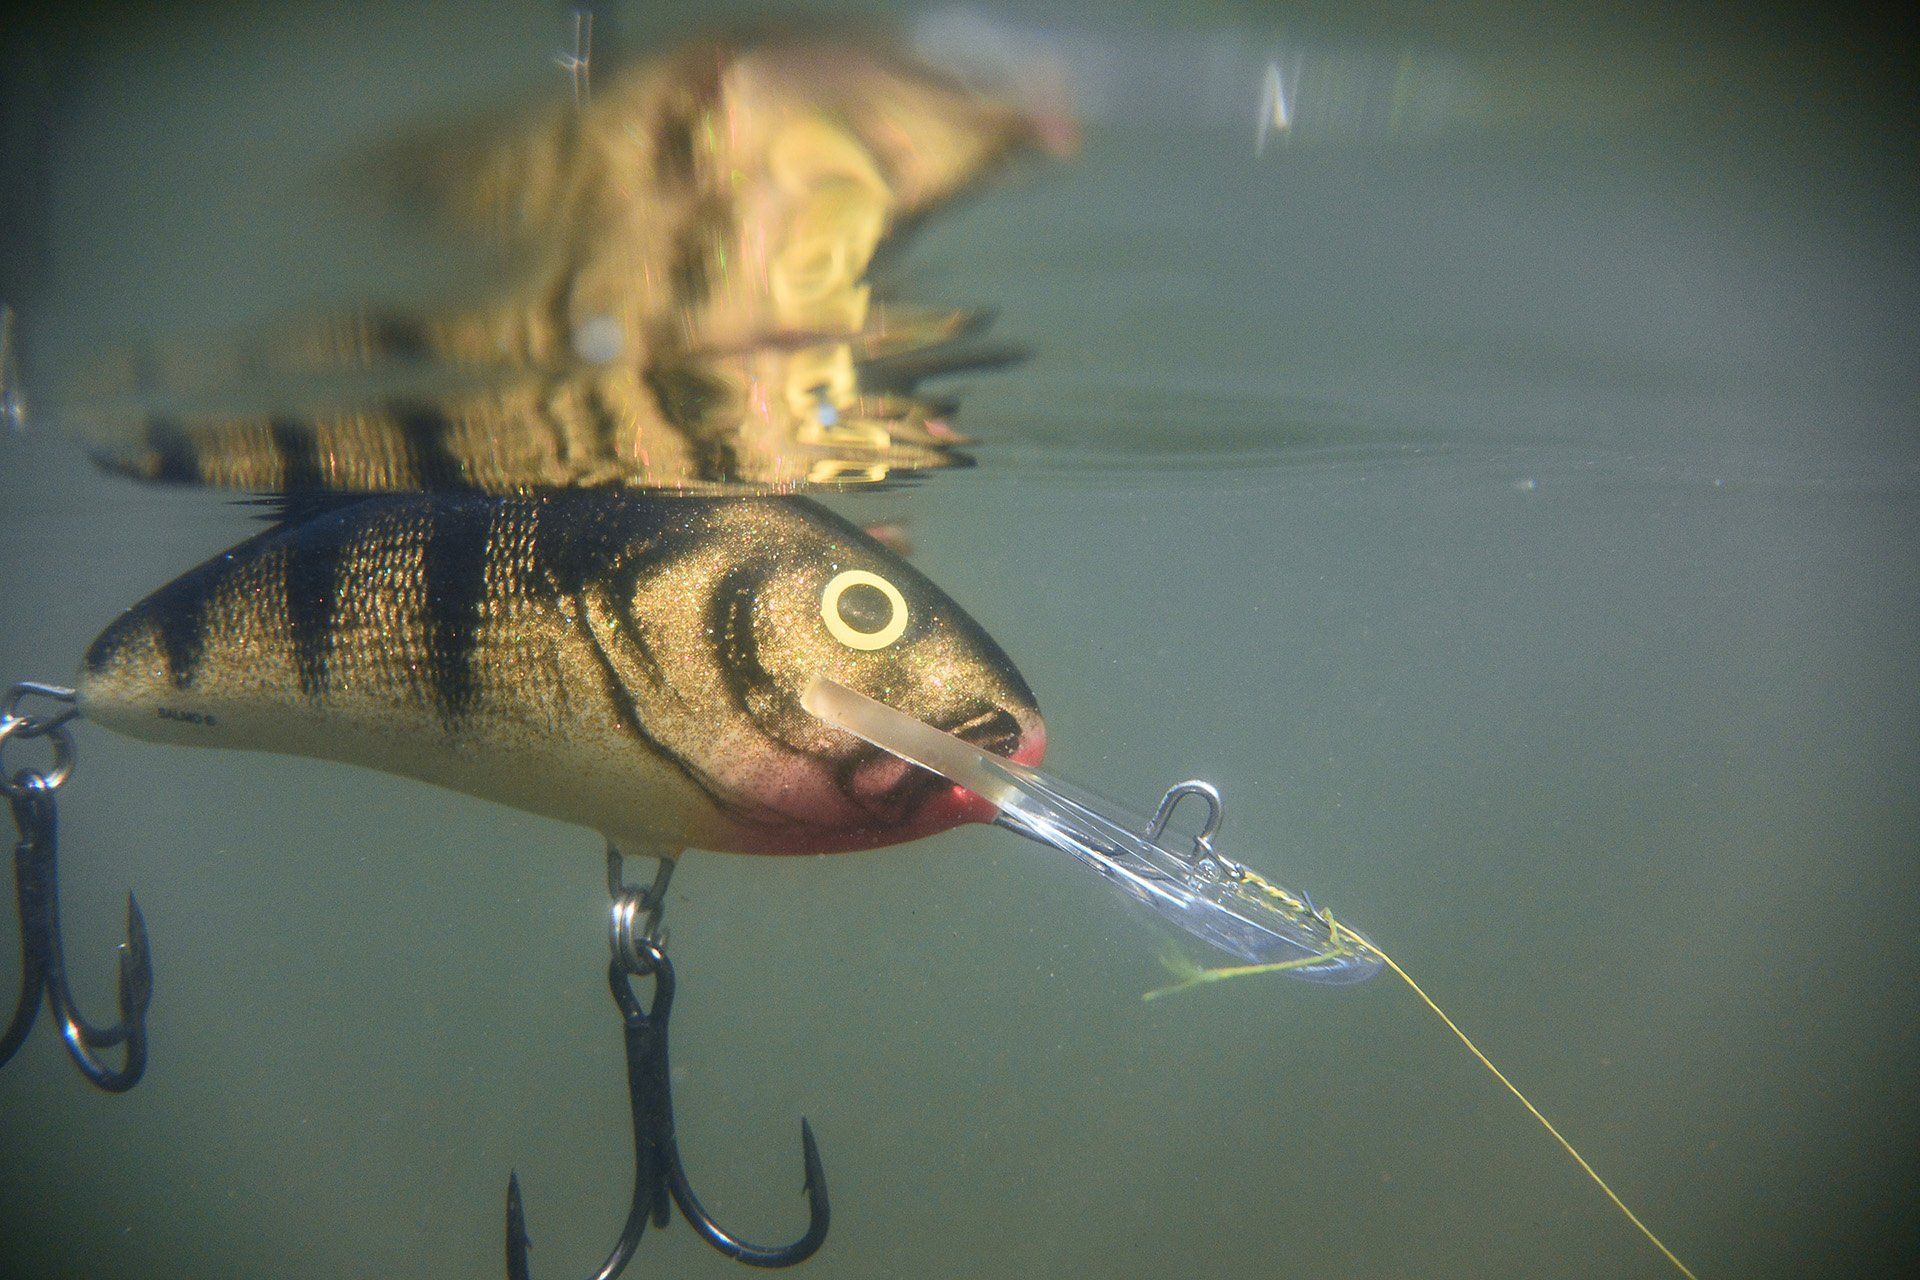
x,y
631,663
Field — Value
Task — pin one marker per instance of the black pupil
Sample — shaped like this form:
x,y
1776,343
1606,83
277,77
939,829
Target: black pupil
x,y
865,607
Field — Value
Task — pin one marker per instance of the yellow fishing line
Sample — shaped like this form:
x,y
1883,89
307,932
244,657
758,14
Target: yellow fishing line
x,y
1344,942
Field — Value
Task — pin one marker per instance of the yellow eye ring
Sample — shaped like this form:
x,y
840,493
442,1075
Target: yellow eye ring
x,y
844,632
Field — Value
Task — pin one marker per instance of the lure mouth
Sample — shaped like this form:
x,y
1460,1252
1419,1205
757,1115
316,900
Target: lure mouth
x,y
882,797
1018,735
964,756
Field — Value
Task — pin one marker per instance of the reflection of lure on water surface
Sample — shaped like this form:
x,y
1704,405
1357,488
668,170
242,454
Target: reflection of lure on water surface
x,y
631,663
686,302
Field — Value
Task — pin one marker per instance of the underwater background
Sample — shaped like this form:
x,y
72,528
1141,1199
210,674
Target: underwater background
x,y
1502,482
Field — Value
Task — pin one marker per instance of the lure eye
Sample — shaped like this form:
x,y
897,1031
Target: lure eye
x,y
863,610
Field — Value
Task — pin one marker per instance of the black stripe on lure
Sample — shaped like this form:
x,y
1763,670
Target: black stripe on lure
x,y
1231,908
632,663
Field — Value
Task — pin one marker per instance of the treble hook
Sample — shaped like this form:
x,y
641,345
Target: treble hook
x,y
658,1176
36,878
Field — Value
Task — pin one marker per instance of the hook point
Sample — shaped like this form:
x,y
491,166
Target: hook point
x,y
518,1241
136,966
815,1178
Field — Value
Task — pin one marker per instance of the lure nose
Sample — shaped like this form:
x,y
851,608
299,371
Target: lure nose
x,y
1032,746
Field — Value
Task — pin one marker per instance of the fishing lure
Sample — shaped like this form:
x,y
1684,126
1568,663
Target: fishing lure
x,y
1220,902
635,663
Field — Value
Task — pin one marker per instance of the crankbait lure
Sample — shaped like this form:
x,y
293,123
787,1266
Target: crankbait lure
x,y
1230,907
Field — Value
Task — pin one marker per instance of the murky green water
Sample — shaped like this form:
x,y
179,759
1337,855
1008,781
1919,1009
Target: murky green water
x,y
1511,507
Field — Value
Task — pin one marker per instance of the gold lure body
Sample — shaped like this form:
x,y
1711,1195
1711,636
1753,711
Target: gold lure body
x,y
632,663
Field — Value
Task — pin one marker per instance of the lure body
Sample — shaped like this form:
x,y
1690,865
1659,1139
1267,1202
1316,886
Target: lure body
x,y
632,663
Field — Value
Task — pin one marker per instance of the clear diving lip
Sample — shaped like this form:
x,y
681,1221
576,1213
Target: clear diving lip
x,y
1212,898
